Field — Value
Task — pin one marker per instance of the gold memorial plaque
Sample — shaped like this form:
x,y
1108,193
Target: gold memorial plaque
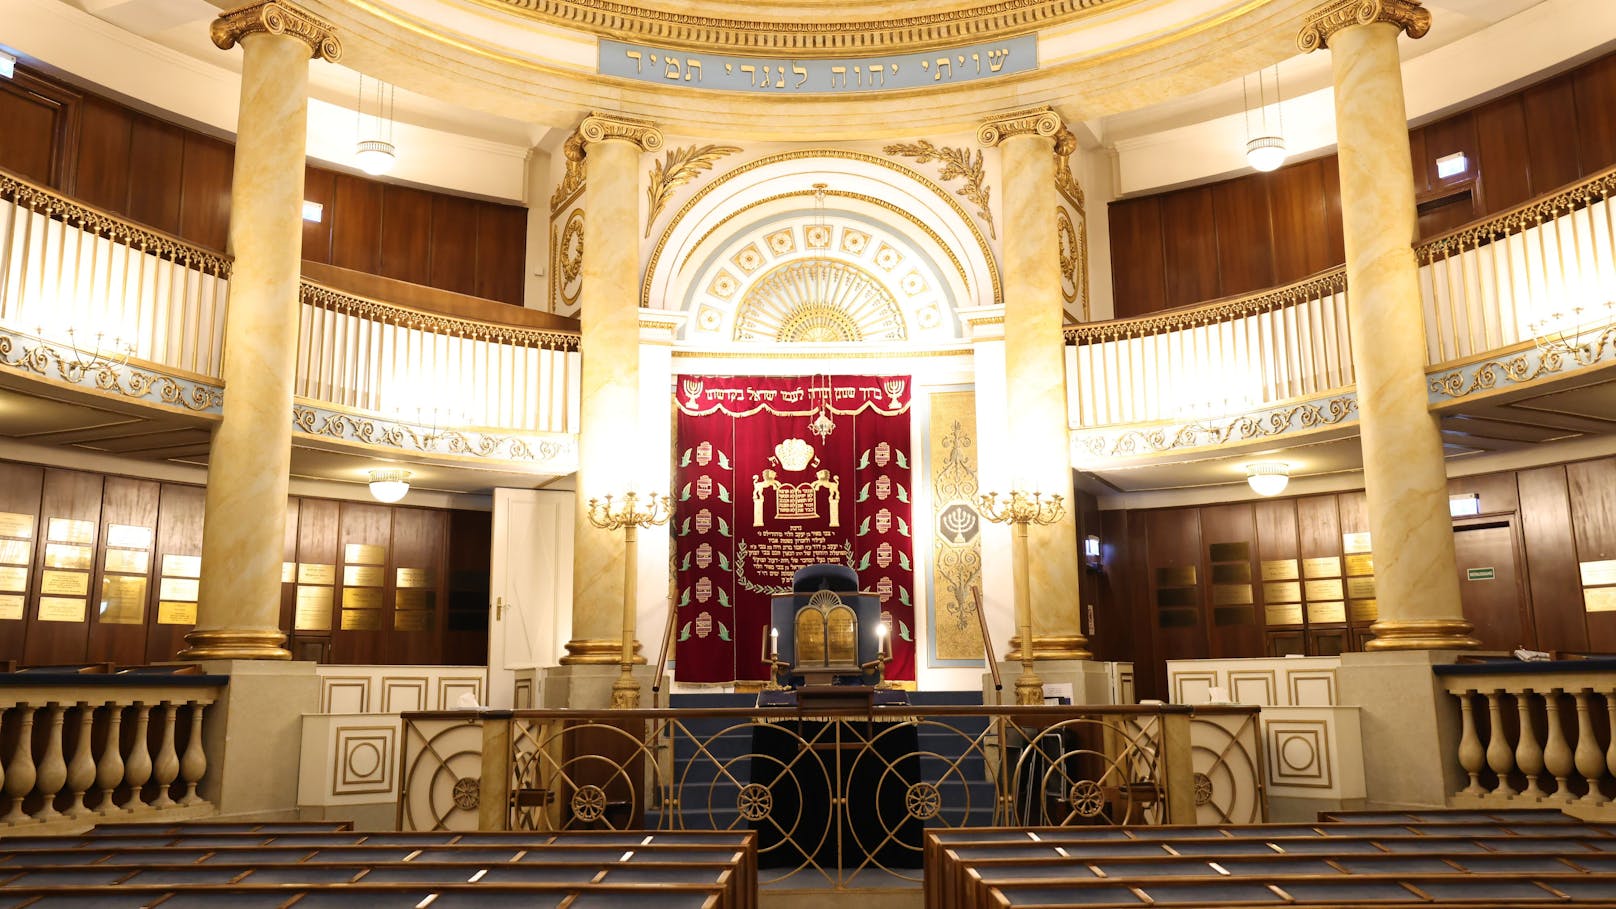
x,y
182,566
178,589
1360,563
414,620
1360,588
1232,573
1183,576
1231,594
1324,567
416,577
361,598
129,536
364,553
1282,592
128,561
13,524
123,600
61,609
1364,610
1599,599
316,573
61,555
1355,542
11,607
1594,573
176,613
63,530
1283,615
288,572
14,577
1178,596
1279,570
15,552
361,620
64,583
1233,615
413,599
363,576
1229,552
1327,612
1323,590
313,609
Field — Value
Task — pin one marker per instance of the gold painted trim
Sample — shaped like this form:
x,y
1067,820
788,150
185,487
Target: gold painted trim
x,y
614,127
1323,284
1422,634
1047,647
277,17
234,644
1569,198
1040,122
586,651
324,297
770,353
1323,22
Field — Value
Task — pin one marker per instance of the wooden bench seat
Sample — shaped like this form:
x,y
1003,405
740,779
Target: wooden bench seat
x,y
378,896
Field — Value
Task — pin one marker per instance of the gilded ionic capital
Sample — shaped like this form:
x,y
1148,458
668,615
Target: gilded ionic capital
x,y
276,17
1326,20
1033,121
599,127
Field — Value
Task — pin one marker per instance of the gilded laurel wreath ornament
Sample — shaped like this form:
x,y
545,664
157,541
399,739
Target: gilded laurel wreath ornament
x,y
679,167
958,164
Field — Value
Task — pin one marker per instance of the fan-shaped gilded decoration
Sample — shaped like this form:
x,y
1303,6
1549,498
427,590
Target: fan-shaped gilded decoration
x,y
819,300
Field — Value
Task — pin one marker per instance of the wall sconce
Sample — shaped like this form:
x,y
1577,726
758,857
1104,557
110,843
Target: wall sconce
x,y
1268,478
1091,551
389,485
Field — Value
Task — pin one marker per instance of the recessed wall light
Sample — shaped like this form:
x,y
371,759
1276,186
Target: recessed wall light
x,y
1451,165
313,211
8,65
1464,506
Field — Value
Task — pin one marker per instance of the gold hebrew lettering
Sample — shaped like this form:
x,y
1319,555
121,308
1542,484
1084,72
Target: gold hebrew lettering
x,y
672,71
692,67
838,71
942,62
996,58
801,71
636,57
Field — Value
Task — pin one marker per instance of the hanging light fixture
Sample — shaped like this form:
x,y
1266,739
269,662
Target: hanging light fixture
x,y
1268,478
1265,147
389,485
375,154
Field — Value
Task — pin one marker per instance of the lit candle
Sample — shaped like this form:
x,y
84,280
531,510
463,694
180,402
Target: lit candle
x,y
883,643
774,643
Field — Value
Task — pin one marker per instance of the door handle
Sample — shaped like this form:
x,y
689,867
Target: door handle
x,y
499,608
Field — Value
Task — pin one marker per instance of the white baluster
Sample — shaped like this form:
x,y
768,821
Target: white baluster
x,y
109,770
52,769
138,766
1590,760
195,762
20,773
1528,754
1470,753
1557,754
81,770
167,766
1500,756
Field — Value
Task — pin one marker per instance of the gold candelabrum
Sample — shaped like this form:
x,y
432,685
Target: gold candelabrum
x,y
1020,510
628,515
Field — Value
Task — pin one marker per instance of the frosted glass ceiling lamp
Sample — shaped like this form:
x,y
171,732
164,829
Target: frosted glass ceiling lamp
x,y
1265,133
375,156
1268,478
1266,153
375,153
389,485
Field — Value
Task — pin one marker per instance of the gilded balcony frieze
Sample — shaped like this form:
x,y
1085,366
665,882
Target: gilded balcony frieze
x,y
553,452
1181,436
144,383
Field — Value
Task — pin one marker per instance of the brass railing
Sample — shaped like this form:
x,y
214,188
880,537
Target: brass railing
x,y
835,795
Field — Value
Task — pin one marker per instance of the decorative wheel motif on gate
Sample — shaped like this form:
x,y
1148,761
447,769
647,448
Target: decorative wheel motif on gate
x,y
589,803
755,801
1088,798
1203,788
467,793
923,801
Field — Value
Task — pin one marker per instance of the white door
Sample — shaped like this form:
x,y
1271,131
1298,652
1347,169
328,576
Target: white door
x,y
530,614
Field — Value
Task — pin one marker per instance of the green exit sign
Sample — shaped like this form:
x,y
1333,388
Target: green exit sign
x,y
1478,574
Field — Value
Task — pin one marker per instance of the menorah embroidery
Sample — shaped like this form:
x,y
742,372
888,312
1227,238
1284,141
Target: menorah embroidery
x,y
795,501
893,388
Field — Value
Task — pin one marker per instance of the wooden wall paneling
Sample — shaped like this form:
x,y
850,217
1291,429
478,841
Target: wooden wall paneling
x,y
205,191
1318,536
1131,581
317,544
1189,246
1554,586
406,238
156,166
1423,171
1497,490
1296,198
1138,270
453,244
419,542
1114,636
41,128
1275,521
1592,489
20,488
130,503
356,223
1335,247
501,253
1504,158
288,617
75,496
1235,629
319,186
1551,106
179,533
1174,544
1594,88
1086,509
101,169
465,626
364,525
1455,198
1243,227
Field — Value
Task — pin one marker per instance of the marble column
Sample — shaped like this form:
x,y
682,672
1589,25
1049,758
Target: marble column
x,y
244,522
609,459
1404,475
1035,368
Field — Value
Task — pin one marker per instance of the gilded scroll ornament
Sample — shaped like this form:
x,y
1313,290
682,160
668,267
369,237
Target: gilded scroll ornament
x,y
567,265
1262,425
276,17
678,167
556,451
1034,121
1071,263
1520,369
958,164
572,182
601,127
1326,20
110,377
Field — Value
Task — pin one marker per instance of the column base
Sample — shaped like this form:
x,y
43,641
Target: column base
x,y
1052,647
1423,634
593,687
234,644
596,651
1090,680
